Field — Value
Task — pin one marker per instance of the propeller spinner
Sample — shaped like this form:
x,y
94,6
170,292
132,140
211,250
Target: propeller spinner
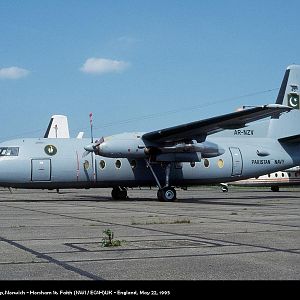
x,y
93,147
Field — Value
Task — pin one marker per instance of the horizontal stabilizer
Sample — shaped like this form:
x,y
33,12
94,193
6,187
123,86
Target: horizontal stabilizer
x,y
290,139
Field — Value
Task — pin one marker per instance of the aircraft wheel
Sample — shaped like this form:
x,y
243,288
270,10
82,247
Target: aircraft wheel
x,y
224,189
275,188
166,194
118,193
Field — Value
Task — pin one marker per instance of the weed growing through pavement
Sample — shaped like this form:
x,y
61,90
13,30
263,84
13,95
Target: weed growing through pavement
x,y
108,239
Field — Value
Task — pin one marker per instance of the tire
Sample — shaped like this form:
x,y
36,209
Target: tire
x,y
224,189
115,194
275,188
123,194
168,194
118,194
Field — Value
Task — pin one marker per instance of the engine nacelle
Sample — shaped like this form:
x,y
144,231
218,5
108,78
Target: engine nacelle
x,y
207,149
127,145
130,145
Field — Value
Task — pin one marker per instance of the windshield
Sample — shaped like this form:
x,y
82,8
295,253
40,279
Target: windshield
x,y
9,151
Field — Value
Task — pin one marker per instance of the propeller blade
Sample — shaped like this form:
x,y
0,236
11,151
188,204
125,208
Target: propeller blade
x,y
85,153
91,124
89,148
100,141
93,167
93,146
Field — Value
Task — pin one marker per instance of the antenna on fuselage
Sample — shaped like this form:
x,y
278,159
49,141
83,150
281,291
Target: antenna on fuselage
x,y
56,128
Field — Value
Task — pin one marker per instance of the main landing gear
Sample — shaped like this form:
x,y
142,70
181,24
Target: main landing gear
x,y
119,193
166,193
275,188
224,187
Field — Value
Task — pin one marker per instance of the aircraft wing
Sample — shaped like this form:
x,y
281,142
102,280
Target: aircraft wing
x,y
198,130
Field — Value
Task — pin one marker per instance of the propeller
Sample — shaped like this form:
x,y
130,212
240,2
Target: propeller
x,y
92,148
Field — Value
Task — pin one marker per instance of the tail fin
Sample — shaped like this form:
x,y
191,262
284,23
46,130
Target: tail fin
x,y
289,90
58,127
286,129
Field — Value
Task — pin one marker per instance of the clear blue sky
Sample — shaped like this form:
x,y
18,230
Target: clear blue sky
x,y
139,65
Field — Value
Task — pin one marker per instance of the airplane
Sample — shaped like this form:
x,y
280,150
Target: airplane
x,y
289,177
220,149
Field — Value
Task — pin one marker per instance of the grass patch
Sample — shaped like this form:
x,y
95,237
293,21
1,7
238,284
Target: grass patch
x,y
160,221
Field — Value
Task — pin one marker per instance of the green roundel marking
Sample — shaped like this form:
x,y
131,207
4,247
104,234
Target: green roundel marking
x,y
50,150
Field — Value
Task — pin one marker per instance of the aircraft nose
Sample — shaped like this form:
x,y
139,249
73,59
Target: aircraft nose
x,y
2,173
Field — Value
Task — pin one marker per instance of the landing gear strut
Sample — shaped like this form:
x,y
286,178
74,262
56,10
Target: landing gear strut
x,y
166,193
119,193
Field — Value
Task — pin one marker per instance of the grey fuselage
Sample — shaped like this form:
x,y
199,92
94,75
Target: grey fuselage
x,y
216,150
248,152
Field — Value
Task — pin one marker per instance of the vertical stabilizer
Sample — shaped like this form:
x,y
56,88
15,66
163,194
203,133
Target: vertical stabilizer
x,y
58,128
290,87
287,126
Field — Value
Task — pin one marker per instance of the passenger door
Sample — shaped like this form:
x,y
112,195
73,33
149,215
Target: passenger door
x,y
237,161
41,169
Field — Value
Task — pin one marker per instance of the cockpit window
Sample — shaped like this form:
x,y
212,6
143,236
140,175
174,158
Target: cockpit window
x,y
9,151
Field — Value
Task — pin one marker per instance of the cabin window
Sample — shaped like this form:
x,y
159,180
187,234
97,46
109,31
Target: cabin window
x,y
102,164
133,164
289,174
269,175
118,164
276,175
282,174
9,151
220,163
193,164
206,163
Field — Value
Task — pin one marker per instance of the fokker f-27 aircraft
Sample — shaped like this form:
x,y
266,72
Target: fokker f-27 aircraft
x,y
216,150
